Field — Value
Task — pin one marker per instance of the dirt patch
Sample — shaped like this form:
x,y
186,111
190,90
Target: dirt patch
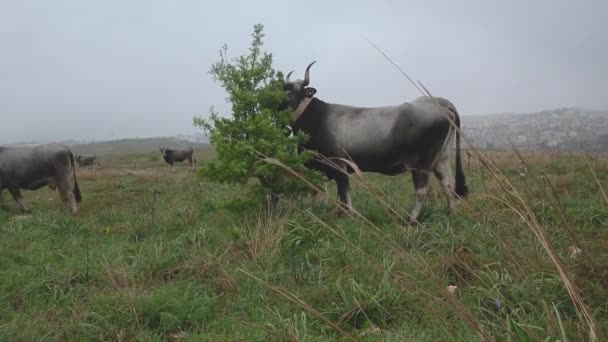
x,y
147,174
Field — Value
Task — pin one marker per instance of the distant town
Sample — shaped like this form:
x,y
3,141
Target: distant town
x,y
566,129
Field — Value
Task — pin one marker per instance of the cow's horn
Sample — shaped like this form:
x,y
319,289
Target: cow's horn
x,y
307,74
288,75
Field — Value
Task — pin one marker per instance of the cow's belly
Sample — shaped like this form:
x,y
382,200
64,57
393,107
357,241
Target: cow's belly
x,y
360,139
31,179
413,148
389,164
34,184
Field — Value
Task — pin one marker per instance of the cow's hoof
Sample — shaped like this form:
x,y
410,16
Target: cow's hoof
x,y
345,211
338,212
412,222
452,211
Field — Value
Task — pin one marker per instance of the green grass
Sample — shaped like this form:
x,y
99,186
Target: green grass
x,y
157,254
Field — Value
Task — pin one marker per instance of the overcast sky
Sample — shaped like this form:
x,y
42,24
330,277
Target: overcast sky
x,y
114,69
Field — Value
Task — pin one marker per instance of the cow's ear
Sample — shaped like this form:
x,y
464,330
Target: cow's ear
x,y
310,92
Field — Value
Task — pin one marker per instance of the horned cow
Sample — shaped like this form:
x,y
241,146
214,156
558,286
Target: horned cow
x,y
414,136
32,167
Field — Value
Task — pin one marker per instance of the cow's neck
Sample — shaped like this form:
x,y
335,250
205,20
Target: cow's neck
x,y
301,108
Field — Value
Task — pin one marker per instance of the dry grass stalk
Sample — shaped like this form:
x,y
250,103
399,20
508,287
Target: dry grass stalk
x,y
597,181
118,278
266,234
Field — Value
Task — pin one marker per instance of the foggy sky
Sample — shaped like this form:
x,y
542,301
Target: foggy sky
x,y
115,69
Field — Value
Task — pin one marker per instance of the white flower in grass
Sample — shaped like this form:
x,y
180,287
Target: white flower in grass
x,y
575,252
523,169
452,289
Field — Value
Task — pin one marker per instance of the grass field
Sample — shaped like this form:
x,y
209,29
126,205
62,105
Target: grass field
x,y
159,254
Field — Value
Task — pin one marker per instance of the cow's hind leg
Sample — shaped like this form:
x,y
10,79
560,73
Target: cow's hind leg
x,y
19,199
443,172
422,185
343,185
67,196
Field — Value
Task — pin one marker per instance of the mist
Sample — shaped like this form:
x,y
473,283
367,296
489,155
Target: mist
x,y
115,69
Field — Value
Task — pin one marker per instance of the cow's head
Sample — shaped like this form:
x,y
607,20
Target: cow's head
x,y
163,151
299,89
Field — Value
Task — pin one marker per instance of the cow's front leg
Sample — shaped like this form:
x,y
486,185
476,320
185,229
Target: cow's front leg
x,y
19,199
343,185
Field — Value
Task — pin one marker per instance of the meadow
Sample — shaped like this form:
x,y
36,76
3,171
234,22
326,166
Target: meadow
x,y
157,254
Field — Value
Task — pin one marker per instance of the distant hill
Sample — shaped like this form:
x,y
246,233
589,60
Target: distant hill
x,y
197,138
130,146
564,129
559,129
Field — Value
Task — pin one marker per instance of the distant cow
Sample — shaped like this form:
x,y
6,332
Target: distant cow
x,y
31,167
83,160
179,155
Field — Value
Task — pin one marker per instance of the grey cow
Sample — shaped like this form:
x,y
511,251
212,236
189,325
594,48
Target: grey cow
x,y
83,160
31,167
179,155
415,136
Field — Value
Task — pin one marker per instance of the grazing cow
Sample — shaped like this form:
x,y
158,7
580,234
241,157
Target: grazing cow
x,y
31,167
415,136
179,155
87,160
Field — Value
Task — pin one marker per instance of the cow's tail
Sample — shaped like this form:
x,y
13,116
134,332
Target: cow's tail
x,y
461,187
77,194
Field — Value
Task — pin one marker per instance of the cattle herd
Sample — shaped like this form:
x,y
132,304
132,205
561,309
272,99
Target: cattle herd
x,y
415,136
